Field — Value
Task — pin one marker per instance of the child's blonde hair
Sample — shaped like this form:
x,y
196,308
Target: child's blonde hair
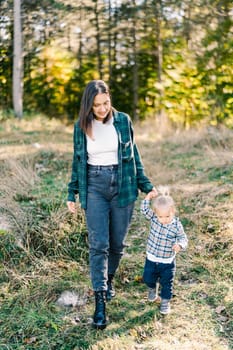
x,y
163,200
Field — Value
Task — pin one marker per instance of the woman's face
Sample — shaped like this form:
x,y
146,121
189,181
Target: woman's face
x,y
101,106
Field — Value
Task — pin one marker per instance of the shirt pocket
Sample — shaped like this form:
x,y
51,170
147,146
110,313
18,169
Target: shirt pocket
x,y
171,237
127,151
78,154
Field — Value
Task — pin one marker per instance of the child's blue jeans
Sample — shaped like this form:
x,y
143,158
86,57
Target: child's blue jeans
x,y
163,273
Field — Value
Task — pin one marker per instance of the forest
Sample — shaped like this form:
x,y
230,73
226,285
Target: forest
x,y
167,60
169,66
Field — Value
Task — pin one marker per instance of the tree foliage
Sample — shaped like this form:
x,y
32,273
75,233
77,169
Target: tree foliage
x,y
160,58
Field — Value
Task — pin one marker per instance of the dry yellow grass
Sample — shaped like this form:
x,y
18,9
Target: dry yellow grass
x,y
185,161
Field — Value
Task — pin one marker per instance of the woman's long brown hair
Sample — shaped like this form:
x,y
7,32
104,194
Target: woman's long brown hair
x,y
86,115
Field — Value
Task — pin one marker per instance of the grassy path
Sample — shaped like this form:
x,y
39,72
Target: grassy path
x,y
43,250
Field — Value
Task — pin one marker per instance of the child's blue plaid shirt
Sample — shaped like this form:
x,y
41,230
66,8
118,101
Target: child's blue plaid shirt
x,y
162,237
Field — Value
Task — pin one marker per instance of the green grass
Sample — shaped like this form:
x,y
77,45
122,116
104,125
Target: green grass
x,y
222,175
45,252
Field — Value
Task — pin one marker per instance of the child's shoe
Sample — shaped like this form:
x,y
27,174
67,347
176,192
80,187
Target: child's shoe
x,y
165,307
152,294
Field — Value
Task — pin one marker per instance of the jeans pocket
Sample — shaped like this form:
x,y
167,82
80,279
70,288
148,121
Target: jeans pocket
x,y
93,173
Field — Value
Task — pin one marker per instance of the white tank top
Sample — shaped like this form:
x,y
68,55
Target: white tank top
x,y
103,148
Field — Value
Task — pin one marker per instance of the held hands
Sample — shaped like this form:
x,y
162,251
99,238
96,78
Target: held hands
x,y
176,248
151,194
71,207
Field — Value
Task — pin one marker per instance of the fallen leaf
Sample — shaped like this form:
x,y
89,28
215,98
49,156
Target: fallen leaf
x,y
138,278
30,340
219,309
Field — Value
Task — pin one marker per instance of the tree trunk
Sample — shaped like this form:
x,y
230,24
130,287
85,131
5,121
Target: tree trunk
x,y
17,62
135,67
161,117
109,43
98,39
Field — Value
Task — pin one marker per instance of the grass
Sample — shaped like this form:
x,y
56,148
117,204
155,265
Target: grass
x,y
44,249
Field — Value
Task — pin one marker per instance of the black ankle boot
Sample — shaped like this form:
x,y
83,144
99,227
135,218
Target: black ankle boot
x,y
99,318
110,291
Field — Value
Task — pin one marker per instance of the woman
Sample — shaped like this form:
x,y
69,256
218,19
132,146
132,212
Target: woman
x,y
106,174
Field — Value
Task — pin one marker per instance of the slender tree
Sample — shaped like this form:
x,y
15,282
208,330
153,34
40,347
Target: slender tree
x,y
159,57
110,13
17,62
98,38
135,61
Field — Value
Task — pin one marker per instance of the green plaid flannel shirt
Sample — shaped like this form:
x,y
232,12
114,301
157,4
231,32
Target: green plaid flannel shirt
x,y
131,175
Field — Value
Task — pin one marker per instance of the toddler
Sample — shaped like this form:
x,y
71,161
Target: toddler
x,y
166,239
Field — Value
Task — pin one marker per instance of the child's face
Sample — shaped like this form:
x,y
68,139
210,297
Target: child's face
x,y
165,215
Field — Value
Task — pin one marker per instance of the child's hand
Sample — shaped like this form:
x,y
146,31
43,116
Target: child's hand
x,y
176,248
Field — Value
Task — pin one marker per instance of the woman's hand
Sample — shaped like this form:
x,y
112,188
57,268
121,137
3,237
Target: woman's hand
x,y
150,195
155,192
71,207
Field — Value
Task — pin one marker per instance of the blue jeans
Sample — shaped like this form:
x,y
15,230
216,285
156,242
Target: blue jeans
x,y
107,224
164,273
